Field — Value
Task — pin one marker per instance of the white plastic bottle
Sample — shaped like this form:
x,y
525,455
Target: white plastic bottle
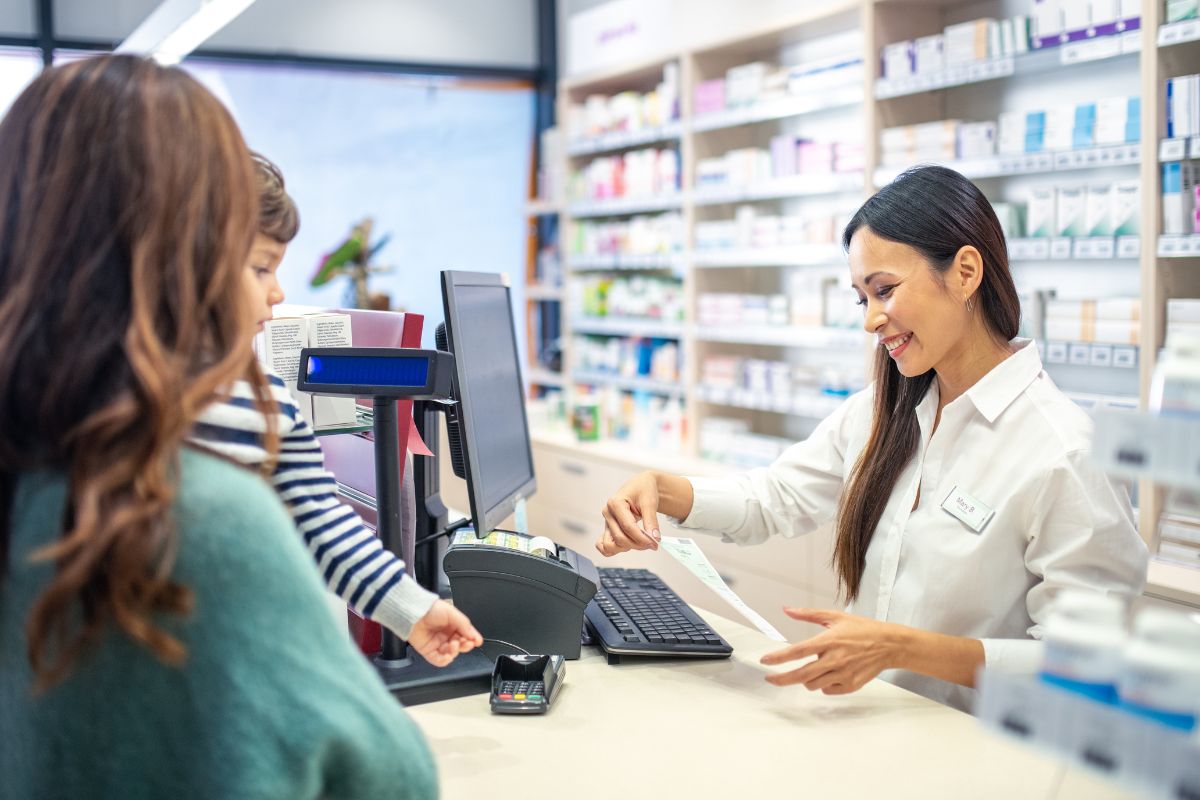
x,y
1175,388
1160,676
1084,637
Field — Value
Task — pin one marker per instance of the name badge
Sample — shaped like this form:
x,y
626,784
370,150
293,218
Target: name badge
x,y
974,514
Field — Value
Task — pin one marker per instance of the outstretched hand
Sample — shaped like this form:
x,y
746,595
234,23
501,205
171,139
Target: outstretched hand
x,y
851,651
443,633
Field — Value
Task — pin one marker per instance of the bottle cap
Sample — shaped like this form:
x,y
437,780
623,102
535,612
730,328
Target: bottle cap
x,y
1162,626
1084,605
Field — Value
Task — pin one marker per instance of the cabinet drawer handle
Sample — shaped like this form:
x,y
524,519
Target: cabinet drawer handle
x,y
574,527
573,468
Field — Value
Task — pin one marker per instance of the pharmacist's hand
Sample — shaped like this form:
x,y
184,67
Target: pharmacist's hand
x,y
850,651
443,633
631,517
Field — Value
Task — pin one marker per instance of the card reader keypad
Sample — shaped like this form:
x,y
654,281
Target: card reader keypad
x,y
522,690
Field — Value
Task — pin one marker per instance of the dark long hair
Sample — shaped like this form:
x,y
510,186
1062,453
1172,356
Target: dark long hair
x,y
937,212
127,210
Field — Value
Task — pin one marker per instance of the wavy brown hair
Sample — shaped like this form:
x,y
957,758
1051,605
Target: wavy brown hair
x,y
937,212
127,210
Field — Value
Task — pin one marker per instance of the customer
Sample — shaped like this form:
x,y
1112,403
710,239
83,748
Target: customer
x,y
960,483
352,561
162,632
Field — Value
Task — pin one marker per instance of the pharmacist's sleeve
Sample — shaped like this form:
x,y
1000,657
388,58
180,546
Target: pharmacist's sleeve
x,y
795,495
1082,535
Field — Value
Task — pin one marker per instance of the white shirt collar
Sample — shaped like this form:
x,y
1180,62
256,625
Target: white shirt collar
x,y
996,390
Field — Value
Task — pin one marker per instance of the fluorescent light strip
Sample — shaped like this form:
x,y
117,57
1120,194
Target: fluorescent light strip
x,y
177,27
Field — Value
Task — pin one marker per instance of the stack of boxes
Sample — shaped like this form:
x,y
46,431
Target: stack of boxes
x,y
1112,320
1183,106
958,45
627,112
758,82
656,359
913,144
750,228
1114,120
650,172
1056,22
1181,197
815,298
645,297
1099,209
788,156
659,234
777,383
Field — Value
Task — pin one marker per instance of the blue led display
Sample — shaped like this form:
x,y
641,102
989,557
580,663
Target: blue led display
x,y
368,371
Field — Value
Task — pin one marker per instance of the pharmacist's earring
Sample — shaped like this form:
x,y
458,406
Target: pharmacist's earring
x,y
970,306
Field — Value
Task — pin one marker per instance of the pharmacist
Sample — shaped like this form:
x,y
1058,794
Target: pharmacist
x,y
959,483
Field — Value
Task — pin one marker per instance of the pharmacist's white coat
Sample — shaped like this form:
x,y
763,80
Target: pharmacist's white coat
x,y
1014,442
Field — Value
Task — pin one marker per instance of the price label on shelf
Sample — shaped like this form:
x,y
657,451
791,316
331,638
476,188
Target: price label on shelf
x,y
1102,246
1129,246
1039,248
1102,355
1131,42
1194,147
1056,352
1124,357
1079,354
1083,248
1060,248
1172,149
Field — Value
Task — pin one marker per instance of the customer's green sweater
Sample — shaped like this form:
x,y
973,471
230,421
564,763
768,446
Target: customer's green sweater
x,y
273,701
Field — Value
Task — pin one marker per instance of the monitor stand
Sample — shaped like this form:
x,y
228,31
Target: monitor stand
x,y
410,678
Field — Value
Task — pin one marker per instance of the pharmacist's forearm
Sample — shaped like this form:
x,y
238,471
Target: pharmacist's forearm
x,y
951,658
675,496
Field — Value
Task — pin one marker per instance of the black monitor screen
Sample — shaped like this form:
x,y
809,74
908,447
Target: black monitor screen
x,y
496,439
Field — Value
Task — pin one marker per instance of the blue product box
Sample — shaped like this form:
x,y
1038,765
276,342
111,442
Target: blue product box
x,y
1084,133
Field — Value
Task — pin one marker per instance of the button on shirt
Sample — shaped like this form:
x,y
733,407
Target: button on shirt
x,y
1014,443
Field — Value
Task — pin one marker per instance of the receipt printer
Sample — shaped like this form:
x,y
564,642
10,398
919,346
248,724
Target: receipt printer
x,y
520,591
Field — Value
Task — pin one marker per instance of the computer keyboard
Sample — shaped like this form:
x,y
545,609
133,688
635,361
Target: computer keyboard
x,y
636,614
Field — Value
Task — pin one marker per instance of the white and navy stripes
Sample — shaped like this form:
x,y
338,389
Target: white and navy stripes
x,y
351,559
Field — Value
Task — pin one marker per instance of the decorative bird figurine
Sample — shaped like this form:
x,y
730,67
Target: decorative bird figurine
x,y
353,258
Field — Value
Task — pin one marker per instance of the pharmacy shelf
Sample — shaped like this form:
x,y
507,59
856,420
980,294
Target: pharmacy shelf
x,y
1113,155
1037,61
1089,354
634,384
1179,148
542,208
622,206
1176,246
544,377
1160,448
773,110
801,255
1092,403
1077,248
623,262
1172,33
780,188
536,291
782,336
616,326
623,140
809,406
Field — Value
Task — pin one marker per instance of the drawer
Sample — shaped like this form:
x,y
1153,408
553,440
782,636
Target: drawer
x,y
578,483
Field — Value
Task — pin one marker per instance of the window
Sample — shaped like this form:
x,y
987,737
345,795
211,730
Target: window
x,y
18,67
441,165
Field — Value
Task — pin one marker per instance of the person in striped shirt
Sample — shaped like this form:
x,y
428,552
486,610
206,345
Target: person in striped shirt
x,y
351,559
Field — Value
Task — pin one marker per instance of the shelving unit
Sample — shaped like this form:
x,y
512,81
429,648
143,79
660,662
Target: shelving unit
x,y
1134,61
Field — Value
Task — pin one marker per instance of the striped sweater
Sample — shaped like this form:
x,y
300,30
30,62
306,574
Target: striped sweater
x,y
351,559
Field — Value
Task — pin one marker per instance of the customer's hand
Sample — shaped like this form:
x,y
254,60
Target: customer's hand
x,y
850,652
631,517
443,633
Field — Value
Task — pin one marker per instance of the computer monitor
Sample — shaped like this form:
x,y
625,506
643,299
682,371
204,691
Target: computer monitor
x,y
480,332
